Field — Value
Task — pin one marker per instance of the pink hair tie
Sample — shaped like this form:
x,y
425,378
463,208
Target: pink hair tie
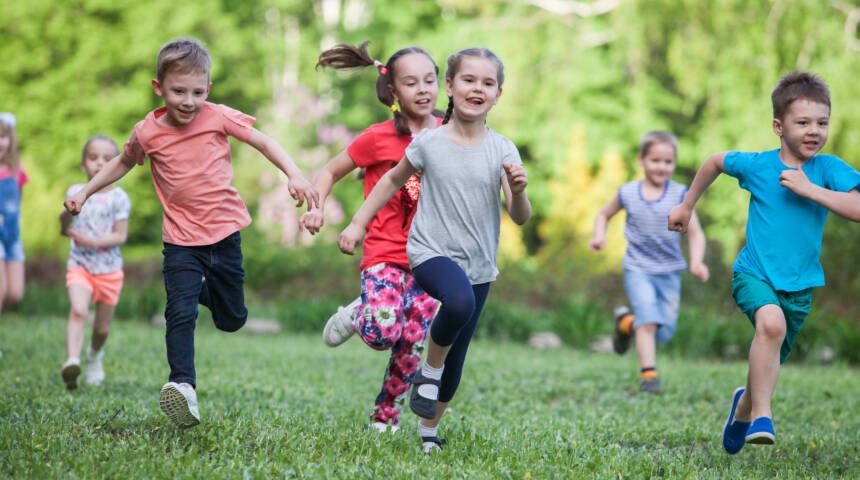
x,y
382,69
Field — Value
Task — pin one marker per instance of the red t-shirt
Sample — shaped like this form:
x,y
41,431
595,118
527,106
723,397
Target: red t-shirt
x,y
377,150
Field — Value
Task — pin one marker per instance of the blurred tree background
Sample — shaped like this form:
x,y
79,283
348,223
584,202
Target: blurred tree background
x,y
584,81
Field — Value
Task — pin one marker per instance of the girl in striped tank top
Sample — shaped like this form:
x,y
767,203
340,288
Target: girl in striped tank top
x,y
653,260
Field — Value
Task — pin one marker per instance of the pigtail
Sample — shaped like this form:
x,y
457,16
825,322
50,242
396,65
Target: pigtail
x,y
449,111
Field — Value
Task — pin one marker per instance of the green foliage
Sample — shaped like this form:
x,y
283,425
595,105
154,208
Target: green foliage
x,y
288,406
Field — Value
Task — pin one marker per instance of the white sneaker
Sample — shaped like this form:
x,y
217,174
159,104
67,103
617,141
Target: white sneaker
x,y
71,370
383,427
179,402
339,327
95,374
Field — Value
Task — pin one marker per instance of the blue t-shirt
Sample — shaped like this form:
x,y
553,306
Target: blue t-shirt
x,y
784,229
651,247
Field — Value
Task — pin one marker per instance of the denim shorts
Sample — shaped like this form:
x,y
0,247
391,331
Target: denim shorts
x,y
750,294
655,299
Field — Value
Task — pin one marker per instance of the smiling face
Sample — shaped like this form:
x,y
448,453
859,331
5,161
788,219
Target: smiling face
x,y
804,128
659,163
475,87
184,95
415,86
99,153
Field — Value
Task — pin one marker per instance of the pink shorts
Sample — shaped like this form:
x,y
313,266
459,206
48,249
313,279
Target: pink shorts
x,y
105,287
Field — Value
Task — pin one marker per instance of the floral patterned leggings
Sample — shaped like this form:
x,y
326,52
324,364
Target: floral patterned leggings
x,y
394,314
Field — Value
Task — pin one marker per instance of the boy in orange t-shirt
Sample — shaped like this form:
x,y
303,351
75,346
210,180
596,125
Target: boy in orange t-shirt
x,y
189,153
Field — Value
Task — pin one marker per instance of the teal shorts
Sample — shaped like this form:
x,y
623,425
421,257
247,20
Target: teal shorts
x,y
750,294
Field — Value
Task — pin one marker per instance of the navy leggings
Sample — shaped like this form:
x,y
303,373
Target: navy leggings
x,y
458,316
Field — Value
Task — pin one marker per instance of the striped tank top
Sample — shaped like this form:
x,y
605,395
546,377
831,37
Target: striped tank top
x,y
651,246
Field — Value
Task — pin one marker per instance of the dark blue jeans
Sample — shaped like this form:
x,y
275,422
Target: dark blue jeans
x,y
458,316
212,276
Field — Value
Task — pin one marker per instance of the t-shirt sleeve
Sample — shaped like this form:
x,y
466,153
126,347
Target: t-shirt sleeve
x,y
121,205
737,164
510,154
841,177
22,178
133,149
621,197
362,150
415,150
237,124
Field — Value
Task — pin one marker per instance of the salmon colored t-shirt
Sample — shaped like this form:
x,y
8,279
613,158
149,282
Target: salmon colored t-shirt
x,y
378,149
192,173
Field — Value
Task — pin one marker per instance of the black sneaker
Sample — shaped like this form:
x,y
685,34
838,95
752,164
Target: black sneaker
x,y
651,385
422,406
620,340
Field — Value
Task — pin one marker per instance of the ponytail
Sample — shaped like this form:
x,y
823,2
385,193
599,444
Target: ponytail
x,y
346,56
449,111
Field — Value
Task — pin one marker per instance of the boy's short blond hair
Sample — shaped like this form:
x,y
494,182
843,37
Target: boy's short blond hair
x,y
183,55
795,86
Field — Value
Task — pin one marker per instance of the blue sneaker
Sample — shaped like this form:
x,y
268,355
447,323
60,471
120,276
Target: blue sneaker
x,y
734,431
761,432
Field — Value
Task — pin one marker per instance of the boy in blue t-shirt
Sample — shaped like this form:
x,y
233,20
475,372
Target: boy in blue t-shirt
x,y
791,191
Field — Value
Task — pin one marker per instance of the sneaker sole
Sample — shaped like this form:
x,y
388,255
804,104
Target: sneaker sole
x,y
175,406
761,438
70,376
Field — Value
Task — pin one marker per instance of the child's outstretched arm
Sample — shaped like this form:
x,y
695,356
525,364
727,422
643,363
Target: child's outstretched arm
x,y
697,249
114,239
514,185
300,188
66,221
332,172
679,217
601,220
844,204
382,192
115,169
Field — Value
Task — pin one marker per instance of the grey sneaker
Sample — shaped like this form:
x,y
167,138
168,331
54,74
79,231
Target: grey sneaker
x,y
71,370
339,327
179,402
620,340
651,385
95,374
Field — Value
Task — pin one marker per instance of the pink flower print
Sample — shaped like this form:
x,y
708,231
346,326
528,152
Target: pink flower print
x,y
391,297
390,332
395,386
385,413
413,333
393,275
408,364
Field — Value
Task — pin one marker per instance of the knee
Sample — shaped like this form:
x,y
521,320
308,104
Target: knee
x,y
79,314
230,324
460,305
770,326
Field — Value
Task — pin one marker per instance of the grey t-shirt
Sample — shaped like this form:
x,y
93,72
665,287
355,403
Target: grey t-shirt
x,y
459,206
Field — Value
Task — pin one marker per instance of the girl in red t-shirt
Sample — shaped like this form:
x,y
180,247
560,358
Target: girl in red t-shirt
x,y
393,312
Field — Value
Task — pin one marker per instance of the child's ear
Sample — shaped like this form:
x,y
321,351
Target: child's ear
x,y
777,127
156,87
449,86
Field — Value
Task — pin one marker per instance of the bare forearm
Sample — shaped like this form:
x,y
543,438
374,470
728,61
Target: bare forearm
x,y
521,208
709,171
113,171
844,204
66,220
278,156
382,192
600,224
697,247
115,239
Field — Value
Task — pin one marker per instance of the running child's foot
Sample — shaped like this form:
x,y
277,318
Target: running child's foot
x,y
761,432
620,340
71,370
651,385
432,444
339,327
421,405
383,427
95,374
179,402
734,431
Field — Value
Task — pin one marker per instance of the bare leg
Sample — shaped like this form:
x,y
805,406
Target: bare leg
x,y
435,353
14,283
3,282
764,364
80,300
646,345
101,327
432,422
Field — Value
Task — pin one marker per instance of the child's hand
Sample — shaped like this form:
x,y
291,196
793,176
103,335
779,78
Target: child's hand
x,y
796,181
700,270
301,190
82,240
679,218
349,238
596,244
74,203
312,221
517,177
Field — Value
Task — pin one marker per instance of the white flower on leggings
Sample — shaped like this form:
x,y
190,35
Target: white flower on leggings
x,y
386,316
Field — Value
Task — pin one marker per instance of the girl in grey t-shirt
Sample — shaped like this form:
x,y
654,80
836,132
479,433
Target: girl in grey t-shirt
x,y
455,233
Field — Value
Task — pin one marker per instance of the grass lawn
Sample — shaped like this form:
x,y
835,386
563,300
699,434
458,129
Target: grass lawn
x,y
287,406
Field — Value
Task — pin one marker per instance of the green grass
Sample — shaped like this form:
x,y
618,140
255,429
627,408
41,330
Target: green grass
x,y
287,406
